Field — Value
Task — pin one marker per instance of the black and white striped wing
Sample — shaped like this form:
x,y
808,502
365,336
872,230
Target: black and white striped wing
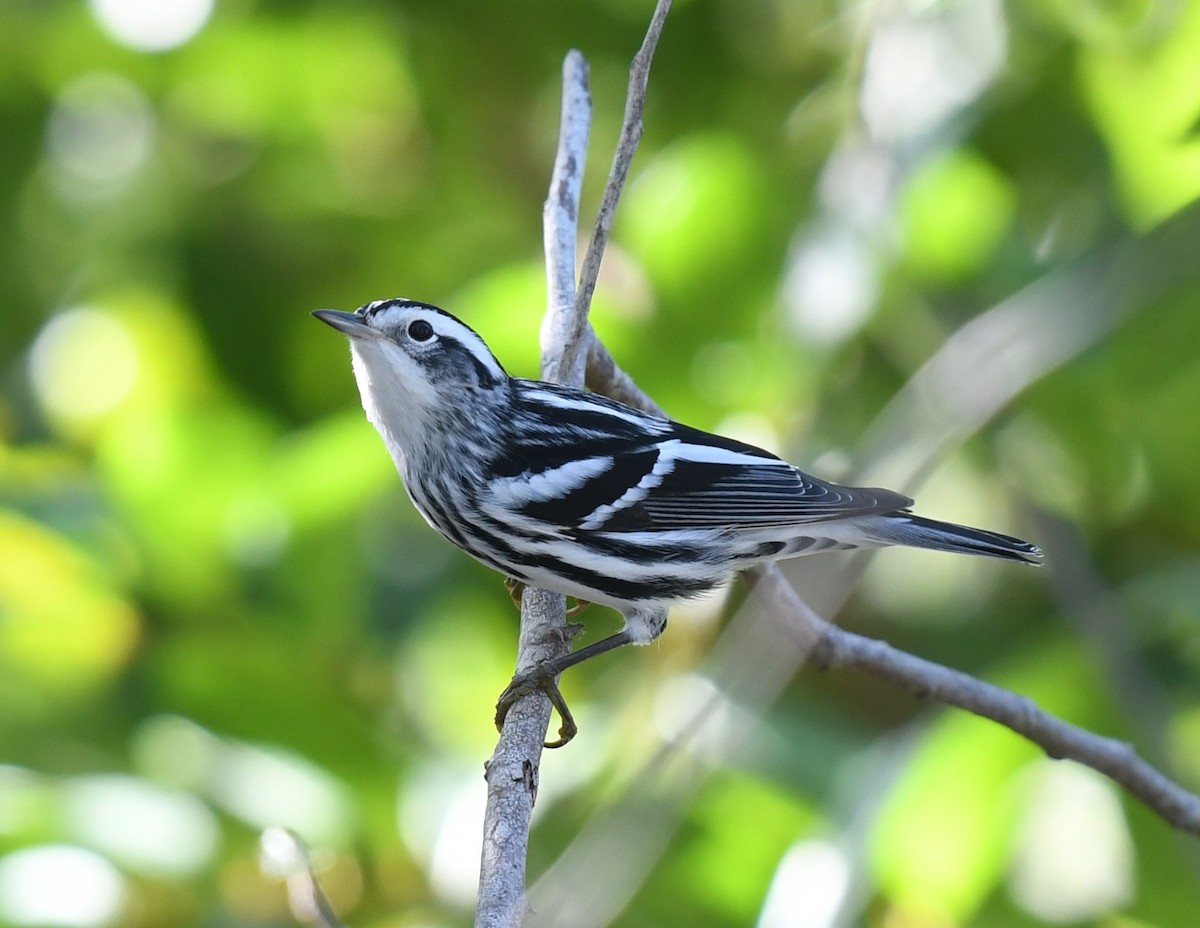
x,y
700,480
621,471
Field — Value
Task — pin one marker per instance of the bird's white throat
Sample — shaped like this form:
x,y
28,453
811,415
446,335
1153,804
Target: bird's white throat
x,y
394,396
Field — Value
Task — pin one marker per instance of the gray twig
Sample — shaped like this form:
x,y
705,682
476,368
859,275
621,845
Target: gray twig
x,y
560,229
567,351
577,343
569,346
512,773
1118,760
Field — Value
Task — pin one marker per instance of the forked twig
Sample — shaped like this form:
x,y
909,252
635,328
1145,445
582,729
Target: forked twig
x,y
577,340
512,773
570,347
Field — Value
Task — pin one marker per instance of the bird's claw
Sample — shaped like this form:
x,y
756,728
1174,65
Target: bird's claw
x,y
538,678
580,605
516,589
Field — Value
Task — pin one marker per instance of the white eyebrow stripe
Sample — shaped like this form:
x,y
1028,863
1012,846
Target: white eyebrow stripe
x,y
559,401
447,326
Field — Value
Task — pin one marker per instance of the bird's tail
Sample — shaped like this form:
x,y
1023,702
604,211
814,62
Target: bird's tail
x,y
919,532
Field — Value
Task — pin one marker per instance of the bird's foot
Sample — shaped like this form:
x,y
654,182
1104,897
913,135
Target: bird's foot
x,y
539,677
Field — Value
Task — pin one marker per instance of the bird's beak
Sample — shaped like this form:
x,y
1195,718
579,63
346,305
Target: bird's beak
x,y
347,323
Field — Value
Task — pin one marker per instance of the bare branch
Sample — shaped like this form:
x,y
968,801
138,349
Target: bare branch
x,y
576,345
561,359
1061,740
512,773
566,340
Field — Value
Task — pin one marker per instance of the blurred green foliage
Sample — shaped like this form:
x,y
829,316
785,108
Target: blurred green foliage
x,y
219,613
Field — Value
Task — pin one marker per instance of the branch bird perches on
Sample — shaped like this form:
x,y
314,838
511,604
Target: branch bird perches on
x,y
570,349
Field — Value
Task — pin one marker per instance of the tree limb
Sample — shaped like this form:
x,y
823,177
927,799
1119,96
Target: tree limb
x,y
577,344
569,348
512,773
829,646
561,326
569,344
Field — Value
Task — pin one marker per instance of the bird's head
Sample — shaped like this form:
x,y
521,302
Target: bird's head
x,y
415,365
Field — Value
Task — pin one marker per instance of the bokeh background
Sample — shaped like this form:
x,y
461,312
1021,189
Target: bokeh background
x,y
219,613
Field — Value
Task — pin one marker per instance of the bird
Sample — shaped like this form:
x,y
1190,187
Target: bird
x,y
570,491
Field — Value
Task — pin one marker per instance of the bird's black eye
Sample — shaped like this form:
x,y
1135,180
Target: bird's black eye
x,y
419,330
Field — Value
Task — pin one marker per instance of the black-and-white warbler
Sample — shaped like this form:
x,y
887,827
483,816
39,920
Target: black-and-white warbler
x,y
575,493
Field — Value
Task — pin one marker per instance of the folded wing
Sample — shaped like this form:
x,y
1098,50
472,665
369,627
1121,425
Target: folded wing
x,y
706,481
672,477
